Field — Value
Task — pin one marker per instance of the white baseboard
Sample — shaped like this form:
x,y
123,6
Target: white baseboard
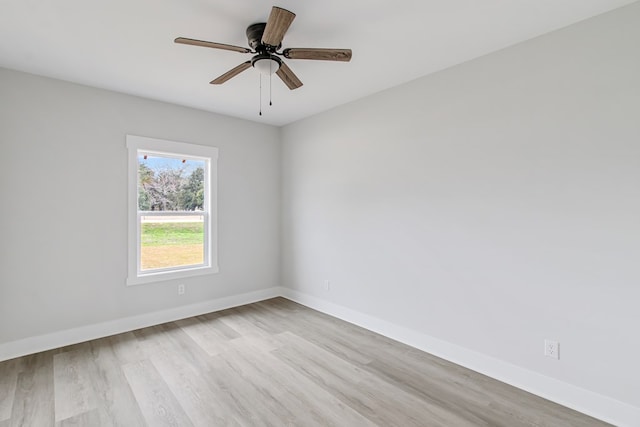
x,y
585,401
53,340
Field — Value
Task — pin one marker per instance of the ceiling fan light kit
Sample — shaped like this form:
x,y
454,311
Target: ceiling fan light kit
x,y
266,64
265,40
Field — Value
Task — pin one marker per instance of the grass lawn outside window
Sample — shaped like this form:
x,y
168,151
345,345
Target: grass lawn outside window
x,y
167,244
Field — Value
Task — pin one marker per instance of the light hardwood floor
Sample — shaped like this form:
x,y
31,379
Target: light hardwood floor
x,y
270,363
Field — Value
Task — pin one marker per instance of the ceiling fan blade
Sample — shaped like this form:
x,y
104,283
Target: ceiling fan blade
x,y
288,77
231,73
193,42
277,25
320,54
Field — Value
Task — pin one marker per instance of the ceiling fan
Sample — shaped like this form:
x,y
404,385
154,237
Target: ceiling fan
x,y
265,39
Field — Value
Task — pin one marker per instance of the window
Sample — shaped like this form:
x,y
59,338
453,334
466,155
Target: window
x,y
172,210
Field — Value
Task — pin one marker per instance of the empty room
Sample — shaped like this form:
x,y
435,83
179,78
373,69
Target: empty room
x,y
239,213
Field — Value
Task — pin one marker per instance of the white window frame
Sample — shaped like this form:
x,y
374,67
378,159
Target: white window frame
x,y
138,144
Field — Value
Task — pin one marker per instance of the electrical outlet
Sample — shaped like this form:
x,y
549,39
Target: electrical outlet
x,y
327,285
181,289
552,349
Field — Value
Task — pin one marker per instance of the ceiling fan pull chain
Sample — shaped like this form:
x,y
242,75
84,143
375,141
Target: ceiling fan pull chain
x,y
270,79
260,77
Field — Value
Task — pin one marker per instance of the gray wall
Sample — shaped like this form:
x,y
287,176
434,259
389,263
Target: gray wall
x,y
63,217
491,205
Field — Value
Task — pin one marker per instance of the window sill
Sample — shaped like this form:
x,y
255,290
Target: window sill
x,y
171,275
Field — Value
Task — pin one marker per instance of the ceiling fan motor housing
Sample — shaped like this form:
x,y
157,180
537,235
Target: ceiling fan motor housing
x,y
265,61
254,35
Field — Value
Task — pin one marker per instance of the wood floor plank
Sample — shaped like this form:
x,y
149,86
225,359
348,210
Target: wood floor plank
x,y
126,348
282,307
33,404
249,404
363,391
203,406
495,400
445,392
174,340
346,340
331,337
85,419
169,337
187,381
207,334
257,344
263,319
74,393
213,321
242,325
9,371
159,406
280,402
118,404
295,390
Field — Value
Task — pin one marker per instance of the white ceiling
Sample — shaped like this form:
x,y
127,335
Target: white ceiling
x,y
127,45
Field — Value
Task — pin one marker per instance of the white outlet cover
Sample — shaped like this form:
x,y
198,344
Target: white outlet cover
x,y
552,349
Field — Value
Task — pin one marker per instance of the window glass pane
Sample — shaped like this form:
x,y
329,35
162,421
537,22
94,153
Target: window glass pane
x,y
171,241
170,183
